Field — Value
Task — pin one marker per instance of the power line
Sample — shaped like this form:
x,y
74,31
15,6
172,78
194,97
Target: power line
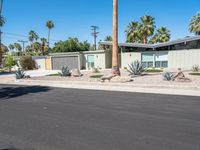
x,y
95,34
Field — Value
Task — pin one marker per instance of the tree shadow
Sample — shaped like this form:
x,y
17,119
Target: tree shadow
x,y
11,91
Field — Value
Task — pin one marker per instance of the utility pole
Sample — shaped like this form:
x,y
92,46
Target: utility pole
x,y
23,44
1,6
95,34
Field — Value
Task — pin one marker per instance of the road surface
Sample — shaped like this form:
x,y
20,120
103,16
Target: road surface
x,y
42,118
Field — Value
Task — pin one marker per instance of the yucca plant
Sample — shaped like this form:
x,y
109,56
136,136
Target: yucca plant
x,y
20,74
196,68
136,68
167,76
65,72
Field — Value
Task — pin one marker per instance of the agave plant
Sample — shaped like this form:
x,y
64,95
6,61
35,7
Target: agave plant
x,y
196,68
65,72
20,74
136,68
167,76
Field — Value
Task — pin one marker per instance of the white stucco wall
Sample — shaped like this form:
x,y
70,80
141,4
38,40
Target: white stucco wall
x,y
128,58
184,59
40,63
99,60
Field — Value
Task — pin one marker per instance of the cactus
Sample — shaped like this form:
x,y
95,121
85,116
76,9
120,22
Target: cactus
x,y
65,72
136,68
20,74
167,76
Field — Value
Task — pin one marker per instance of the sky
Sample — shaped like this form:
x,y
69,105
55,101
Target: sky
x,y
73,18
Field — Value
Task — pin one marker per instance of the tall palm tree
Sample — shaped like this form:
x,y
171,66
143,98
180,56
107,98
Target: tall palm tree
x,y
50,25
2,22
19,48
162,35
194,26
115,58
132,32
43,44
147,27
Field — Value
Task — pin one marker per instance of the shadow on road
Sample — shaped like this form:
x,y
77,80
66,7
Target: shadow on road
x,y
8,92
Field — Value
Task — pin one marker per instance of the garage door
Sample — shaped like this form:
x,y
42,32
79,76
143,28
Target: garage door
x,y
70,61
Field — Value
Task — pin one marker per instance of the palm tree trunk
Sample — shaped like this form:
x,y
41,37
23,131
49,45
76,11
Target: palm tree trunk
x,y
115,58
48,37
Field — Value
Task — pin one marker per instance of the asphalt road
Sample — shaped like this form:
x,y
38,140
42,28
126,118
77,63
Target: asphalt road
x,y
42,118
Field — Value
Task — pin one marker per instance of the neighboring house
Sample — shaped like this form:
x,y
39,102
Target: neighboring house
x,y
81,60
183,53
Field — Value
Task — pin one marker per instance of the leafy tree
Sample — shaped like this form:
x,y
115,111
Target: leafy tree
x,y
9,62
194,26
19,48
162,35
108,38
71,45
50,25
4,48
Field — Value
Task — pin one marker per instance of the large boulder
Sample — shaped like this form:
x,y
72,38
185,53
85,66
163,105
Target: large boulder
x,y
76,73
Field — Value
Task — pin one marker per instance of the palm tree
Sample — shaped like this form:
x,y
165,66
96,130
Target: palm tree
x,y
49,25
33,36
132,32
2,22
44,41
147,27
162,35
115,59
19,48
108,38
194,26
11,47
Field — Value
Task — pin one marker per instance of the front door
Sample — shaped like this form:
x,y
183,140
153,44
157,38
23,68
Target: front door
x,y
90,61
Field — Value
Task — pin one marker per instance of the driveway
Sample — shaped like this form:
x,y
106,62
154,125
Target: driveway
x,y
42,118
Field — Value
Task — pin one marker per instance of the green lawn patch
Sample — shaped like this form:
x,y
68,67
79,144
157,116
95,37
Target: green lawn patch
x,y
53,75
97,76
153,70
195,73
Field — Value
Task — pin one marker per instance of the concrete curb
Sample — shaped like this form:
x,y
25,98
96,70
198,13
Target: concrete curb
x,y
124,87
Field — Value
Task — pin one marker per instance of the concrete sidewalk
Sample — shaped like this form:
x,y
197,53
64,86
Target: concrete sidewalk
x,y
124,87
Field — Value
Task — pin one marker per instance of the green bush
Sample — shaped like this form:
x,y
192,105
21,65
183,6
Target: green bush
x,y
195,74
9,62
27,63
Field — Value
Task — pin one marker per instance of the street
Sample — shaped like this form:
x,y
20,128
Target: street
x,y
43,118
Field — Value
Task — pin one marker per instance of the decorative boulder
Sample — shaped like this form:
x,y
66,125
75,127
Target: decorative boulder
x,y
76,73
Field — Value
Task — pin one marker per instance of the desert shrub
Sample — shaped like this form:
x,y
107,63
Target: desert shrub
x,y
65,71
154,70
95,70
196,68
20,74
167,76
136,68
10,62
27,63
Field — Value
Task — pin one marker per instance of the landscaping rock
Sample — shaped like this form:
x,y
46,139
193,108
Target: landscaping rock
x,y
121,79
76,73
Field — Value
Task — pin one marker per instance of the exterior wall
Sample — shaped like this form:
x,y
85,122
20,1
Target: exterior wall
x,y
48,64
40,62
184,59
99,60
128,58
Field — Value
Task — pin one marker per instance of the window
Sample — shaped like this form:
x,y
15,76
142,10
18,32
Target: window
x,y
90,60
156,59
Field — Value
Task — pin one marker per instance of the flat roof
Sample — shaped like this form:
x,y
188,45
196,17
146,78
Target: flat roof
x,y
173,42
